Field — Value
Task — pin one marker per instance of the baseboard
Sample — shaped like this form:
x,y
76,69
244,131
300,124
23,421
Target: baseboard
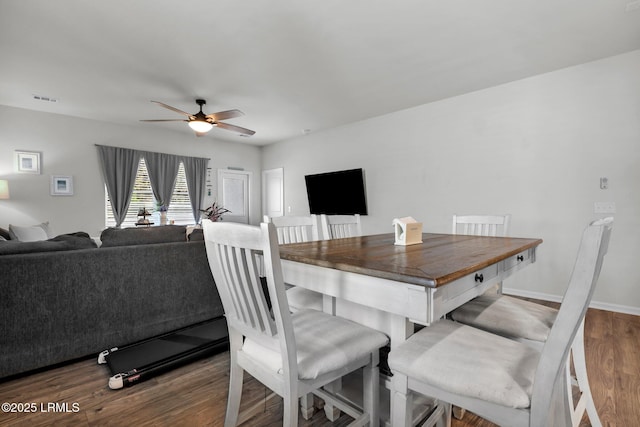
x,y
555,298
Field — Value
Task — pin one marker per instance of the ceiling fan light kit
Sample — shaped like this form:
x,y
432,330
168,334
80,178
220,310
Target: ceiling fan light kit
x,y
202,123
200,126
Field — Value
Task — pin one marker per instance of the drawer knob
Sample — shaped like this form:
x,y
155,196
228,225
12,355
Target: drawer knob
x,y
479,277
520,257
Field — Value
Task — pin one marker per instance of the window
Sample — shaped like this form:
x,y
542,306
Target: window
x,y
178,211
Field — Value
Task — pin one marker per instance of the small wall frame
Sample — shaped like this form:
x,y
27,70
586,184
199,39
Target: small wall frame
x,y
27,162
61,185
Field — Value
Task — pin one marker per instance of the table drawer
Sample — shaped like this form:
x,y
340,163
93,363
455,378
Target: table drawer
x,y
518,259
470,281
452,295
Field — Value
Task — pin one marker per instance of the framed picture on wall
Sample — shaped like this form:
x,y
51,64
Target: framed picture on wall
x,y
27,162
61,185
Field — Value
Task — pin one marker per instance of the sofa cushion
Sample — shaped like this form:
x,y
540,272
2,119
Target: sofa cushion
x,y
196,234
5,234
31,233
64,242
142,236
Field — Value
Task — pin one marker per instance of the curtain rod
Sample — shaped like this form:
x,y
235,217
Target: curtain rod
x,y
147,151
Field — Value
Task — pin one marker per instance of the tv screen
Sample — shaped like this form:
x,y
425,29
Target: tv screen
x,y
337,193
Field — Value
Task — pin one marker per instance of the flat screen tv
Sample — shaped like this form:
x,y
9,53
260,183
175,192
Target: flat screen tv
x,y
337,193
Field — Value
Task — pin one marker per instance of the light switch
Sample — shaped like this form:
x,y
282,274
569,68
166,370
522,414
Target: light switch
x,y
604,183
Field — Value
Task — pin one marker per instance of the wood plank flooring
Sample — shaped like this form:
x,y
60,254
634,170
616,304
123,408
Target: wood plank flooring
x,y
195,395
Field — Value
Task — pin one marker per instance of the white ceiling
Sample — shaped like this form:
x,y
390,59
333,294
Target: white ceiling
x,y
289,65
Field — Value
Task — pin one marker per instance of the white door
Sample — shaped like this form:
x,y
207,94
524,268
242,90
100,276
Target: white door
x,y
233,194
273,192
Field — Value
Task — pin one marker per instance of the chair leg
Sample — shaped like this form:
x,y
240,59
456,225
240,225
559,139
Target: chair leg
x,y
306,406
578,409
580,366
236,377
401,401
331,411
447,407
458,412
561,411
371,389
290,411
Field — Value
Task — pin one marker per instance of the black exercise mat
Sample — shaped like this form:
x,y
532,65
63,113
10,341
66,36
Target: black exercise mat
x,y
148,358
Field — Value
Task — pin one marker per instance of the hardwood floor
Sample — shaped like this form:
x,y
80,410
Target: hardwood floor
x,y
195,395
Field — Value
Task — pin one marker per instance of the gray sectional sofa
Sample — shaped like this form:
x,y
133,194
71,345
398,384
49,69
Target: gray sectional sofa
x,y
65,298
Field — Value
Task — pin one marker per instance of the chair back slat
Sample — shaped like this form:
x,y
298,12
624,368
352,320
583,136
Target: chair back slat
x,y
235,269
340,226
292,235
227,267
576,300
295,229
253,297
340,230
481,225
480,229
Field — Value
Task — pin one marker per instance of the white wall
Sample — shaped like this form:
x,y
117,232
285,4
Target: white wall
x,y
67,147
535,148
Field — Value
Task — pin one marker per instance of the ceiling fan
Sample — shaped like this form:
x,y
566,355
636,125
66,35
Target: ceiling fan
x,y
202,123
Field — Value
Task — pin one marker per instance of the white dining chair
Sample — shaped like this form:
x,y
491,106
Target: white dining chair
x,y
333,227
340,226
295,229
482,225
502,380
298,229
531,323
292,354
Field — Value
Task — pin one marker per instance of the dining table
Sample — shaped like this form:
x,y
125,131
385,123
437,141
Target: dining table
x,y
392,288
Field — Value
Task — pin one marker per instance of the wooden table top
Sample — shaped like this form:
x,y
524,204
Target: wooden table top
x,y
440,259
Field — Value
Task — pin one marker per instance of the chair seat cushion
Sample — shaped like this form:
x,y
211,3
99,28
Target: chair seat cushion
x,y
300,298
470,362
507,316
325,343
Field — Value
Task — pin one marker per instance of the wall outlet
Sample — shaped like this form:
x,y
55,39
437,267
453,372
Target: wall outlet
x,y
604,207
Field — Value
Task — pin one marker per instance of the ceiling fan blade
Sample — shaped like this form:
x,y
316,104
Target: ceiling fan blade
x,y
165,120
234,128
172,108
224,115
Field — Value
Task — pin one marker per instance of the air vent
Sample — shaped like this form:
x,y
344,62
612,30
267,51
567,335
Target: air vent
x,y
45,98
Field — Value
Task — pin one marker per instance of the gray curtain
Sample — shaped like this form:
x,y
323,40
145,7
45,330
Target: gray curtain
x,y
163,170
119,169
195,168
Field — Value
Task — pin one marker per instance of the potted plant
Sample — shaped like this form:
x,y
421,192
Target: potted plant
x,y
214,212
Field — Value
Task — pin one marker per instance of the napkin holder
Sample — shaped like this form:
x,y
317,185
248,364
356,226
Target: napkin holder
x,y
408,231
